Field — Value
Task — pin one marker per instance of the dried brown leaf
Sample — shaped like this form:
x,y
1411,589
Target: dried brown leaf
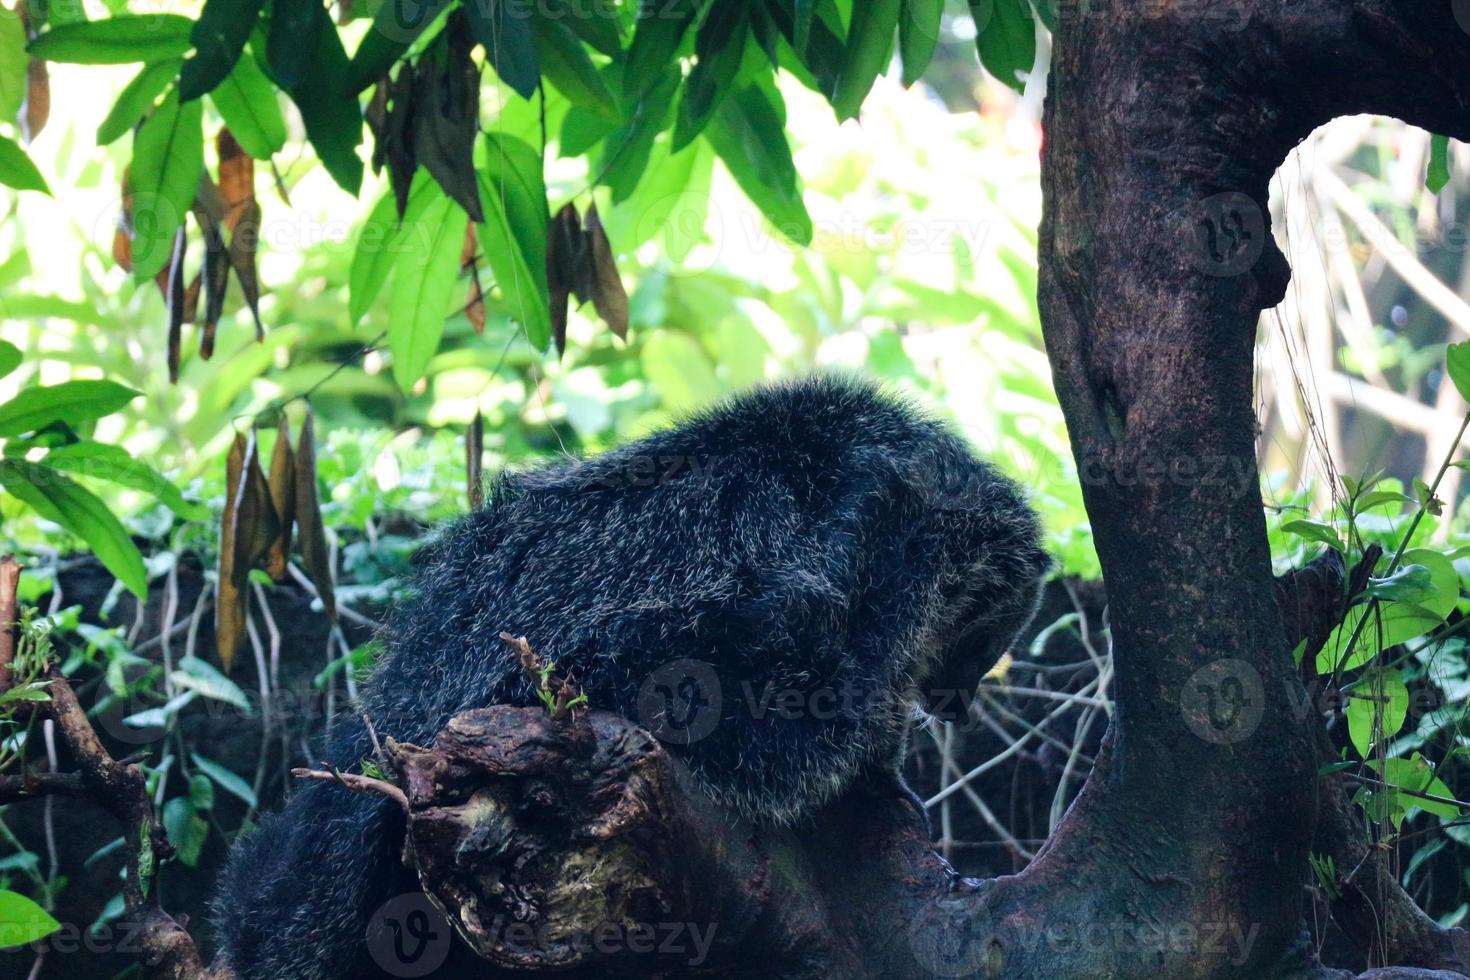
x,y
446,114
609,297
231,599
173,294
36,108
282,483
256,522
474,449
310,529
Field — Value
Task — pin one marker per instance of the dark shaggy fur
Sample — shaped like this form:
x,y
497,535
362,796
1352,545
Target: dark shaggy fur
x,y
828,551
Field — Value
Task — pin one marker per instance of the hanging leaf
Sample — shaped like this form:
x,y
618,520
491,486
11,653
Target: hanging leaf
x,y
918,36
474,450
749,134
257,525
282,484
216,274
17,170
116,40
1377,708
594,22
136,99
71,402
1006,39
628,148
395,143
194,674
243,243
328,106
661,27
294,42
314,552
227,780
566,260
1457,363
566,65
446,116
513,197
396,25
1439,164
719,48
63,501
504,28
422,284
37,108
231,604
219,35
469,264
247,101
174,298
168,158
9,358
608,295
869,48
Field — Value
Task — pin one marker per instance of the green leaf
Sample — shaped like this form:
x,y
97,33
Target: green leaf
x,y
60,499
194,674
513,236
136,99
219,35
71,402
626,150
117,40
187,830
1444,593
17,170
1381,696
719,50
381,238
749,134
116,465
672,198
801,32
294,41
679,371
201,792
1417,775
918,36
1315,531
423,284
329,109
1411,583
1006,38
656,37
168,157
9,357
566,65
227,780
396,25
1439,164
22,920
1457,362
869,47
13,60
247,101
504,28
1393,623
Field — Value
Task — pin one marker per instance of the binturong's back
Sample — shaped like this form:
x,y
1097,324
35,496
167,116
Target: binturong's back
x,y
770,588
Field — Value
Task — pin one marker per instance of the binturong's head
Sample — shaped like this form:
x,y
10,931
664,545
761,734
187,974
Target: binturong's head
x,y
991,568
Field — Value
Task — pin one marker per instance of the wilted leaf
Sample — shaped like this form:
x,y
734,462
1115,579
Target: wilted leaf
x,y
474,449
37,107
174,300
396,25
565,248
282,483
314,552
446,117
243,243
231,604
608,295
257,525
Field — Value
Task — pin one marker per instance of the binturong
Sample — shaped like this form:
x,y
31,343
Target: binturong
x,y
771,587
